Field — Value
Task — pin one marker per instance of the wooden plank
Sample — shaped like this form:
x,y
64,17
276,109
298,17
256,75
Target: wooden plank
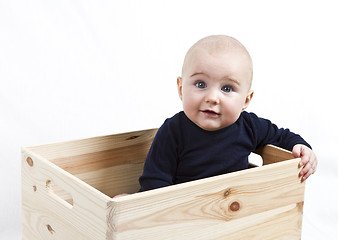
x,y
114,180
129,155
281,223
74,148
227,200
273,154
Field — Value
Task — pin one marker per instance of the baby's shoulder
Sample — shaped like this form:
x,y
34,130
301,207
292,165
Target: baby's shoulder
x,y
249,117
175,120
253,121
172,124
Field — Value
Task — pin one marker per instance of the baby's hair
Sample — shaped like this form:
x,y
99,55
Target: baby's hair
x,y
218,42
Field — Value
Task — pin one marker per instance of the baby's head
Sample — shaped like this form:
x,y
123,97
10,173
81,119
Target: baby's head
x,y
216,81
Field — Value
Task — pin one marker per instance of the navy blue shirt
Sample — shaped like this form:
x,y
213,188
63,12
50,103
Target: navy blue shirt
x,y
182,151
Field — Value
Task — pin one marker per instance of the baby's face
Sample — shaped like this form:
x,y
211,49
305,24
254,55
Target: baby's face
x,y
215,87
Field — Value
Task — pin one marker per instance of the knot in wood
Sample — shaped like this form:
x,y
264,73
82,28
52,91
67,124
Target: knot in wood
x,y
227,193
132,137
30,161
50,229
235,206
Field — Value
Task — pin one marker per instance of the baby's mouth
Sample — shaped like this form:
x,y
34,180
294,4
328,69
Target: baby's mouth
x,y
210,113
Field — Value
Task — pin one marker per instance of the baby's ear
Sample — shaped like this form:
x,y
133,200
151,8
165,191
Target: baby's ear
x,y
179,87
248,99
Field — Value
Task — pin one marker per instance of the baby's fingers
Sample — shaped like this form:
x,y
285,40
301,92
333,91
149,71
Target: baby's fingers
x,y
306,171
309,166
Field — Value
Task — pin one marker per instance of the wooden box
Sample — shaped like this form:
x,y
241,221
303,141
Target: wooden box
x,y
67,191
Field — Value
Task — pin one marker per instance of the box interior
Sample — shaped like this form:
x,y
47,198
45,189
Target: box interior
x,y
112,164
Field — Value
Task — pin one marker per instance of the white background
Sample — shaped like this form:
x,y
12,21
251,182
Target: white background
x,y
77,69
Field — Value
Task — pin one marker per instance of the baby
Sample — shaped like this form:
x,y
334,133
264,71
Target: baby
x,y
214,135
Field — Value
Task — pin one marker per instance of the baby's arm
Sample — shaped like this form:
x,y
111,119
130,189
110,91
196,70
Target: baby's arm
x,y
161,162
308,161
269,133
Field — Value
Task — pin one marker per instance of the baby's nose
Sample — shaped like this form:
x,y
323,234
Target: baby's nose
x,y
212,97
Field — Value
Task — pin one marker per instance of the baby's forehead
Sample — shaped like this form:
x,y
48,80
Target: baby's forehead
x,y
217,47
218,43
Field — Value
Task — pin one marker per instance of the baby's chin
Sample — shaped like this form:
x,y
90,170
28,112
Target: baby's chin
x,y
213,127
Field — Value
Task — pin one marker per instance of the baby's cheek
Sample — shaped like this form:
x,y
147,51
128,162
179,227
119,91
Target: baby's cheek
x,y
234,106
190,103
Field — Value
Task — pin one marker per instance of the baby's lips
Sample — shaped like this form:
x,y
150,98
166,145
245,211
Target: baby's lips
x,y
210,111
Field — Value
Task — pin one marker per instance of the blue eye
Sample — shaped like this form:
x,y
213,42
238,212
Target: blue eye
x,y
201,84
227,89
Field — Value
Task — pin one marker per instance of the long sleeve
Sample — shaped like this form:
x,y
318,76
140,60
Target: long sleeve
x,y
161,162
268,133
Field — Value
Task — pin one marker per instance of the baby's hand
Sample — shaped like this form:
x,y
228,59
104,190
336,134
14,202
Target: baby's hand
x,y
121,195
308,162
